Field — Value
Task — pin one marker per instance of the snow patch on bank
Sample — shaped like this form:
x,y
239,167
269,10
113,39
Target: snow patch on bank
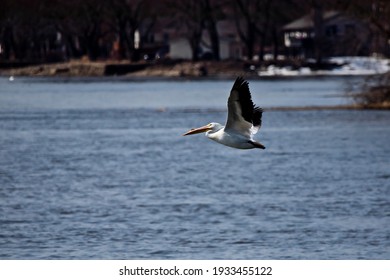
x,y
345,66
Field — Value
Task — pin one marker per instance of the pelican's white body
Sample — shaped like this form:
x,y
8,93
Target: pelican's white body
x,y
229,138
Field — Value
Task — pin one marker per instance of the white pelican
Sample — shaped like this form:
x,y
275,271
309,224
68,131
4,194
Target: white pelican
x,y
243,121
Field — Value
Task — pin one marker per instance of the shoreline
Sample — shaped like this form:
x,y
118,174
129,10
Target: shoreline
x,y
175,70
179,68
166,69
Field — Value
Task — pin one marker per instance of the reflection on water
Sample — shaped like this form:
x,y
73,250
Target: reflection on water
x,y
84,175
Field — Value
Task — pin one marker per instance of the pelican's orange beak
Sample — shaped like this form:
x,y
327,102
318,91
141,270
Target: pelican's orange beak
x,y
198,130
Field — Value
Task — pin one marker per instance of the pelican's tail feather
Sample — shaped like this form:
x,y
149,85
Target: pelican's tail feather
x,y
257,144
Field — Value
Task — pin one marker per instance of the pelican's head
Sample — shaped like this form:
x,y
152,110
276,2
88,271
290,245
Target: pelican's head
x,y
210,127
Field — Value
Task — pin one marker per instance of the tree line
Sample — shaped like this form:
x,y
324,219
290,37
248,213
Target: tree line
x,y
49,30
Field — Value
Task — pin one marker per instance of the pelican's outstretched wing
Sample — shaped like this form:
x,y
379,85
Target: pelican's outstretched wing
x,y
243,116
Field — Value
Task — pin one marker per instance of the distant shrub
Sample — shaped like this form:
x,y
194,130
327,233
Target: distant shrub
x,y
375,93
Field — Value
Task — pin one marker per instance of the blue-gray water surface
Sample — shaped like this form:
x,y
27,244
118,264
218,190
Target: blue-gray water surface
x,y
98,169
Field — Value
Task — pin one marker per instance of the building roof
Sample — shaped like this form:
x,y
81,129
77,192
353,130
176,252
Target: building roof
x,y
306,22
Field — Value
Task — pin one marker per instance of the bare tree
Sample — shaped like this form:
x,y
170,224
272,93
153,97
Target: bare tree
x,y
245,21
83,25
30,29
318,19
212,10
7,23
281,13
253,23
90,25
191,20
128,17
23,28
377,12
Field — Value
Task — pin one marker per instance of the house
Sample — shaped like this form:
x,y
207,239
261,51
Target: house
x,y
229,42
342,36
231,46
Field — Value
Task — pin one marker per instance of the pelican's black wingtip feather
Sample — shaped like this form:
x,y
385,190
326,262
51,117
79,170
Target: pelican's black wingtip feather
x,y
250,112
241,84
257,115
258,109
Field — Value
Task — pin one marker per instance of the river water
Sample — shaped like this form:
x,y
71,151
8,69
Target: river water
x,y
98,169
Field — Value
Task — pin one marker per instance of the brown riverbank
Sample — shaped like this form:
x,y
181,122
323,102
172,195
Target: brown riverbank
x,y
77,68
